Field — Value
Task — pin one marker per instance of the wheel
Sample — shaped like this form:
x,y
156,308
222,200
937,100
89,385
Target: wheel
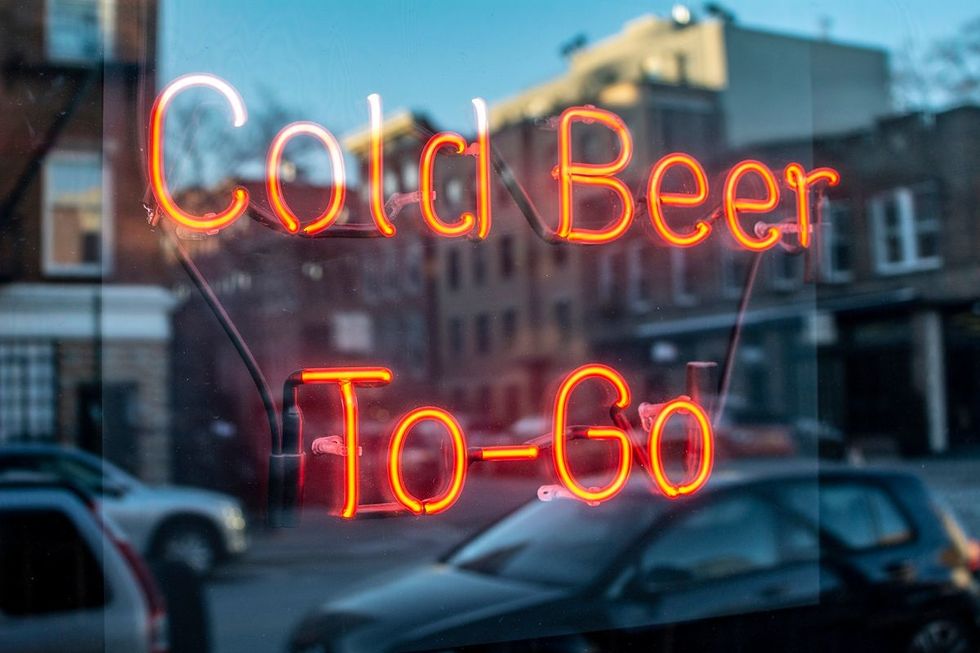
x,y
942,636
191,543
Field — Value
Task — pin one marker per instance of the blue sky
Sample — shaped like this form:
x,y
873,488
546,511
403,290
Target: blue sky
x,y
324,57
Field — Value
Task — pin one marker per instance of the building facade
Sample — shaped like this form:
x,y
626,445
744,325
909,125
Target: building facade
x,y
84,315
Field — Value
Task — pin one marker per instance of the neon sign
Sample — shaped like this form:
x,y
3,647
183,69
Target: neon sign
x,y
477,224
287,470
347,445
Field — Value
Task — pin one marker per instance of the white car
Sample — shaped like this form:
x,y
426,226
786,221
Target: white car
x,y
68,582
189,525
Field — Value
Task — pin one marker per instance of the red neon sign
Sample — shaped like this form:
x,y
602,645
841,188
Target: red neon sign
x,y
274,185
600,175
347,378
158,177
681,405
569,173
656,199
347,446
559,427
457,477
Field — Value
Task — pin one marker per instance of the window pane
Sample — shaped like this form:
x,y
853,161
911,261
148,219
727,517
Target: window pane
x,y
730,537
45,565
74,213
74,32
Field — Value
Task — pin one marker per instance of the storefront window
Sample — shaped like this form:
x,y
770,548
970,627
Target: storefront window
x,y
437,326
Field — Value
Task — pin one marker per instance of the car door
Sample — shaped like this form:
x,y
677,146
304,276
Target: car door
x,y
61,589
726,573
875,545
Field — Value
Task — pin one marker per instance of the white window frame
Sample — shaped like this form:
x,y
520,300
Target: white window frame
x,y
909,230
830,231
107,24
48,265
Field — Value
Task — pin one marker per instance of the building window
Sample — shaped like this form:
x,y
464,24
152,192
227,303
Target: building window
x,y
785,270
637,278
906,224
452,269
27,391
454,191
509,327
410,174
483,333
734,270
391,182
607,277
681,273
479,264
413,268
79,30
456,336
507,257
76,220
836,227
563,315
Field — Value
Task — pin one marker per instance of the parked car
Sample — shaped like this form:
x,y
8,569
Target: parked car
x,y
189,525
68,582
797,560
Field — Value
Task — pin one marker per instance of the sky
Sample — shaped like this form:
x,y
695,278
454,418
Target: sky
x,y
322,58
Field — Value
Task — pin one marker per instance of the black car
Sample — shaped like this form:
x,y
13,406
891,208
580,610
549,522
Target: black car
x,y
804,560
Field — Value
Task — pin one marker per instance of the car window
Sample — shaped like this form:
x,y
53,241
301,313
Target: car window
x,y
562,542
857,514
723,538
45,565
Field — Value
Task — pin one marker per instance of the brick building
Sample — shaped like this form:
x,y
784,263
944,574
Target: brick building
x,y
84,317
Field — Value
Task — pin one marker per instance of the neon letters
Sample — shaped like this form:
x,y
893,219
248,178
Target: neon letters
x,y
476,224
462,456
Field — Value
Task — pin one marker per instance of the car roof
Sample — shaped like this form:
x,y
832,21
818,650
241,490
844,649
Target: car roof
x,y
727,475
17,480
36,448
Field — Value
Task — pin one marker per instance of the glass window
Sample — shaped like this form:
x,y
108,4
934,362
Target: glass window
x,y
563,542
507,256
638,276
509,327
482,328
837,229
723,538
906,228
479,261
456,336
28,391
860,516
46,566
453,269
76,29
76,219
681,277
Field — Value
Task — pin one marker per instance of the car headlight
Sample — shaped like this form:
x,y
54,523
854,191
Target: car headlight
x,y
233,518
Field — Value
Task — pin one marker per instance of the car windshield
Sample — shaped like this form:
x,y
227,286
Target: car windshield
x,y
562,542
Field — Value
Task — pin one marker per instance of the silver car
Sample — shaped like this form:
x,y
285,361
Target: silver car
x,y
68,584
189,525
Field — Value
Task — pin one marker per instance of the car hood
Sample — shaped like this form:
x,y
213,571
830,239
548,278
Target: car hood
x,y
427,607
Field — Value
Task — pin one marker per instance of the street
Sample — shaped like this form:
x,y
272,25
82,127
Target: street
x,y
255,601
